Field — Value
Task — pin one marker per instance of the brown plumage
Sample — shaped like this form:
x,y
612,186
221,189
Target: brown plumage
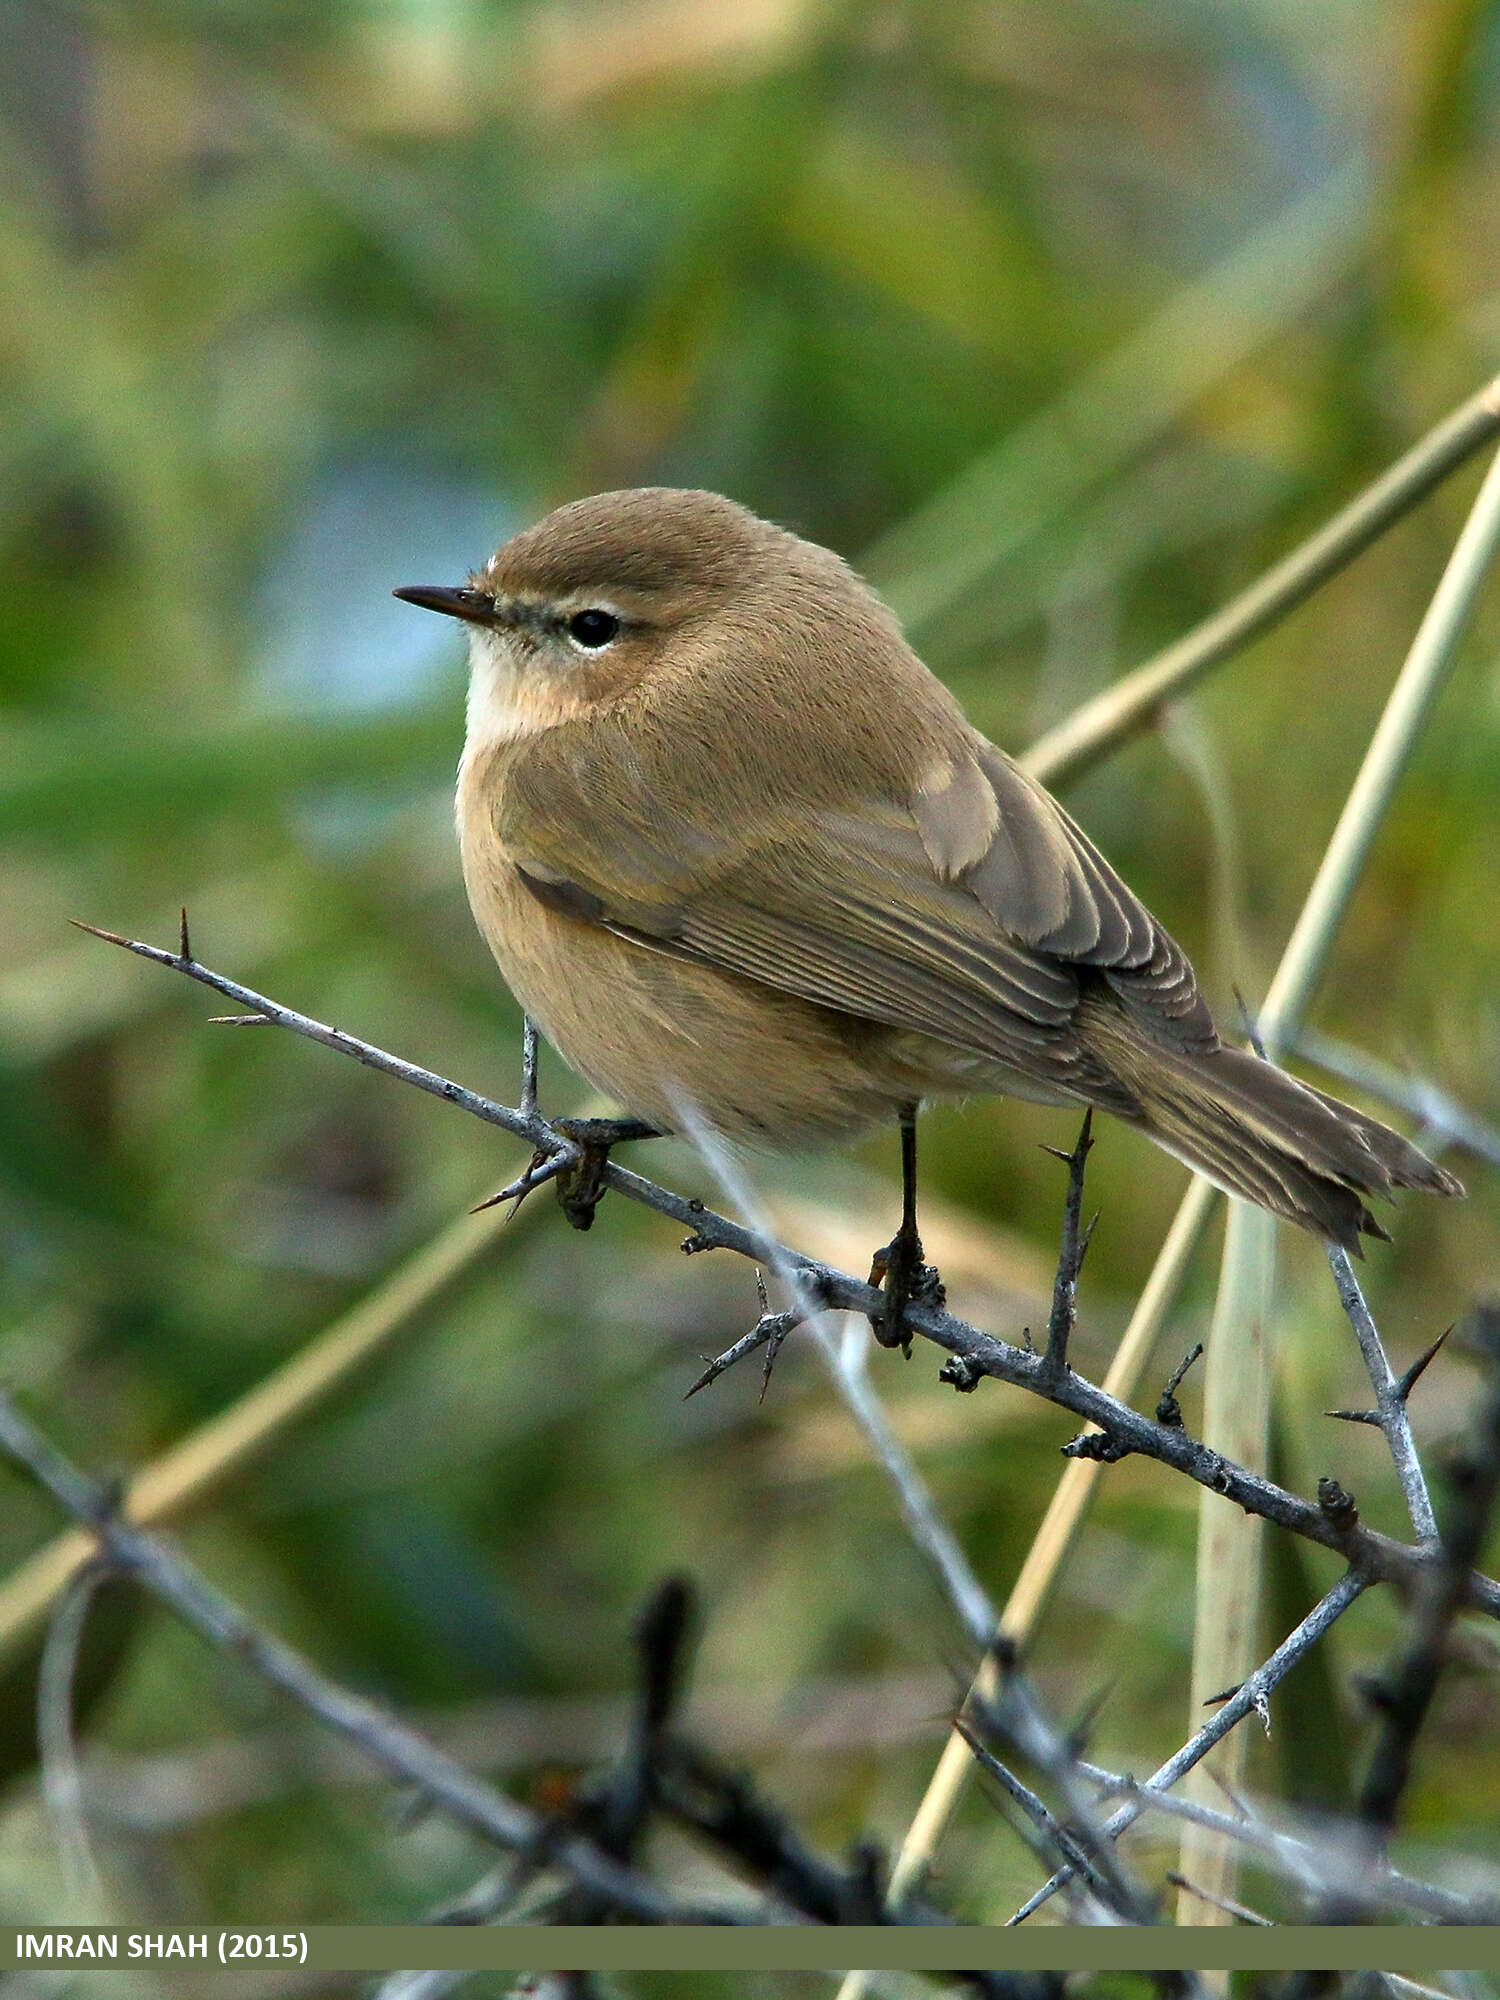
x,y
730,841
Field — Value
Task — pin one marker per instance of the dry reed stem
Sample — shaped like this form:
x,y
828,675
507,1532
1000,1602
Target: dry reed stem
x,y
1237,1382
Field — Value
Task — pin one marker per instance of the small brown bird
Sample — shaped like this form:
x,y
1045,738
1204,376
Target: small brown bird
x,y
733,844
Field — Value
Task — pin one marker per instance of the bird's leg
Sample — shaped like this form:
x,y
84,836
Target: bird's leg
x,y
580,1188
898,1269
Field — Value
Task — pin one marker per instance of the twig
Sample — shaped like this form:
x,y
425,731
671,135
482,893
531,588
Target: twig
x,y
850,1357
1017,1714
1052,1834
1168,1409
1237,1912
1390,1396
523,1125
617,1817
723,1808
1244,1701
1315,1858
770,1330
391,1743
1075,1244
62,1783
974,1354
1404,1693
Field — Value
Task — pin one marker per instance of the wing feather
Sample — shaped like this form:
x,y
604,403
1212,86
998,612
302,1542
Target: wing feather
x,y
1044,880
870,906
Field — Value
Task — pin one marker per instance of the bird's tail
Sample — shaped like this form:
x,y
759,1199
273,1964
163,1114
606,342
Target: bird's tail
x,y
1255,1131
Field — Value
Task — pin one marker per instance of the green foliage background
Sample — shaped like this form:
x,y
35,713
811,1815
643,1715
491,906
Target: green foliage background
x,y
1064,322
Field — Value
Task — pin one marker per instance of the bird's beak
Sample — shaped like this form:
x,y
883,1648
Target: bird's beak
x,y
476,607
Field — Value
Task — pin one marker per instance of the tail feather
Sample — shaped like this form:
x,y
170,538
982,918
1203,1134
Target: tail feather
x,y
1257,1132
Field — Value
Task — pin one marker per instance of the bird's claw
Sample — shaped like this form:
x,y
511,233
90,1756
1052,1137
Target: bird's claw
x,y
580,1188
905,1280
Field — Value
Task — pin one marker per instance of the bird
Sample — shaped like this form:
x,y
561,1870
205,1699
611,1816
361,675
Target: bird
x,y
741,856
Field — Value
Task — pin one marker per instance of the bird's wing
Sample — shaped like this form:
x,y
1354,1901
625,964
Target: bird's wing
x,y
1042,878
964,910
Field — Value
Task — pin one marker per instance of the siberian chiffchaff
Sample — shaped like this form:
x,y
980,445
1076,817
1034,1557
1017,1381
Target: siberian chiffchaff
x,y
734,846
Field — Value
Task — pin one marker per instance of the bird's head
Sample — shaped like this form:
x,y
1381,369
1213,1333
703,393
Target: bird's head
x,y
603,595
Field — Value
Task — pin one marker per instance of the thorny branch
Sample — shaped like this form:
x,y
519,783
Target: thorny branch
x,y
390,1742
1245,1700
1317,1857
594,1840
974,1355
1015,1715
1403,1694
1390,1412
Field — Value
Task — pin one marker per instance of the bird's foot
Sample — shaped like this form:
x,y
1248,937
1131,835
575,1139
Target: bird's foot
x,y
905,1280
580,1187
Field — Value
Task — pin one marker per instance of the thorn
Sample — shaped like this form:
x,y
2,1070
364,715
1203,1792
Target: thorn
x,y
240,1021
773,1348
1193,1354
1174,1383
1355,1416
770,1327
185,951
710,1373
541,1170
109,937
1086,1239
1407,1382
1079,1732
1224,1694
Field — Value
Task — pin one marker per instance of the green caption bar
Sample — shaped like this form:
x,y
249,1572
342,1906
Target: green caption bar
x,y
687,1948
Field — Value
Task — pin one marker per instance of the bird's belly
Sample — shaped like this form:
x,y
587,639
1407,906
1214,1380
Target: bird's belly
x,y
653,1031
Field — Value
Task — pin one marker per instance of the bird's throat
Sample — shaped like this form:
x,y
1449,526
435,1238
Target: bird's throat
x,y
511,697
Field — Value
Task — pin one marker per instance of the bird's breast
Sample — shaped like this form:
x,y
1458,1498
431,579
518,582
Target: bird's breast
x,y
652,1030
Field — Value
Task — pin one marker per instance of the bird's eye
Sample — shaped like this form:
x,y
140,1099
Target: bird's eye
x,y
593,629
